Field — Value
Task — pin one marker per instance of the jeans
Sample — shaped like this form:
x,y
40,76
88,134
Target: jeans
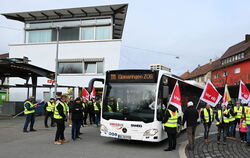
x,y
207,128
248,134
231,130
30,119
76,125
97,119
222,129
191,135
60,125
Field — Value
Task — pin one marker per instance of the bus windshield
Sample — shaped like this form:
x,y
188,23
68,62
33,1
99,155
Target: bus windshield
x,y
129,101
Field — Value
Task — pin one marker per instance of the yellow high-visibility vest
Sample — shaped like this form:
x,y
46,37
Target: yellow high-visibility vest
x,y
50,107
96,108
226,120
231,118
56,113
247,113
206,115
239,112
172,121
26,111
109,108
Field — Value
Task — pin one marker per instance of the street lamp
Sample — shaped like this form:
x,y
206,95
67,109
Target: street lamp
x,y
56,60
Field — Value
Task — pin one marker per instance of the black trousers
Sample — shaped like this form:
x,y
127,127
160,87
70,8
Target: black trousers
x,y
222,129
92,117
49,114
172,134
243,136
85,117
60,124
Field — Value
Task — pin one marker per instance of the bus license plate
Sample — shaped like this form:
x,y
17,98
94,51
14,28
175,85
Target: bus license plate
x,y
124,137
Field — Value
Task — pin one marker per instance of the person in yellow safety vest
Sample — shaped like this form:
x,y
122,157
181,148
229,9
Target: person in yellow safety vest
x,y
222,118
86,110
207,116
119,105
238,109
29,111
97,109
232,124
49,109
60,116
247,115
170,122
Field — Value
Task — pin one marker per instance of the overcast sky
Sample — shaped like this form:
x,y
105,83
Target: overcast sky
x,y
194,30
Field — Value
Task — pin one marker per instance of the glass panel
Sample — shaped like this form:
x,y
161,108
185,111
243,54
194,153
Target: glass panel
x,y
70,67
67,23
103,21
130,101
99,67
89,22
87,33
237,70
103,32
39,25
90,67
38,36
68,34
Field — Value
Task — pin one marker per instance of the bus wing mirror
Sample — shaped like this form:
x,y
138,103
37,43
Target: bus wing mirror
x,y
165,92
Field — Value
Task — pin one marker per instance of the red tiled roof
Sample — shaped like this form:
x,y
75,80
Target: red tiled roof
x,y
202,70
235,49
185,75
3,56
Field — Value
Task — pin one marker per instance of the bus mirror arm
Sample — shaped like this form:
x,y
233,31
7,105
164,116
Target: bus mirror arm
x,y
92,81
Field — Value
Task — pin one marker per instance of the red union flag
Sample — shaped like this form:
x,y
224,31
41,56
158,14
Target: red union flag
x,y
93,93
244,94
85,93
210,95
175,98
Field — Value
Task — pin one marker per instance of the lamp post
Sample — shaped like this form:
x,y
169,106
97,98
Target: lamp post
x,y
56,60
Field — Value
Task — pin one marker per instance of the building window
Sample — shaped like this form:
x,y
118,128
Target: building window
x,y
81,66
93,67
225,73
237,70
69,34
88,33
39,36
89,29
70,67
216,75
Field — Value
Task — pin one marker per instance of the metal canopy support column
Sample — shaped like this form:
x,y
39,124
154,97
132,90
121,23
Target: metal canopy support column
x,y
34,85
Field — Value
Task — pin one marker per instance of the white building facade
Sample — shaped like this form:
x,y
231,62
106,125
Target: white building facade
x,y
89,44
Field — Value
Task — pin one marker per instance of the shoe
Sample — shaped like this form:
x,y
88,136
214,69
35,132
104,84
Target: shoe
x,y
218,142
57,143
242,141
168,149
63,141
78,138
80,133
33,130
208,140
25,131
224,143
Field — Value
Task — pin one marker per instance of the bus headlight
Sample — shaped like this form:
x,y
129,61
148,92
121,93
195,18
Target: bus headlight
x,y
150,132
103,129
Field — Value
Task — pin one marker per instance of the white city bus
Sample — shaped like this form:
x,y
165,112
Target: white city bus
x,y
134,102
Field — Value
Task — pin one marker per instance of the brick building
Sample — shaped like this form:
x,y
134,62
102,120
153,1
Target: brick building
x,y
234,65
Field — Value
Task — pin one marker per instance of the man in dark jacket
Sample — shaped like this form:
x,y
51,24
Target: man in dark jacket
x,y
190,116
77,116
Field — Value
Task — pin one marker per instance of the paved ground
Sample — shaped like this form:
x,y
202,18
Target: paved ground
x,y
233,148
16,144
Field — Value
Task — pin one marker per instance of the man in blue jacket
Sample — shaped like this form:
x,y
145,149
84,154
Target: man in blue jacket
x,y
29,111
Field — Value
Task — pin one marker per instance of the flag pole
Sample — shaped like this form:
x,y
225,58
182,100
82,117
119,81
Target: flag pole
x,y
198,104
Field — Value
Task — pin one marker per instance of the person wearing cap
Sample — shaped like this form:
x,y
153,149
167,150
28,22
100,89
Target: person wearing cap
x,y
49,108
222,118
60,115
190,116
207,116
77,115
29,111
